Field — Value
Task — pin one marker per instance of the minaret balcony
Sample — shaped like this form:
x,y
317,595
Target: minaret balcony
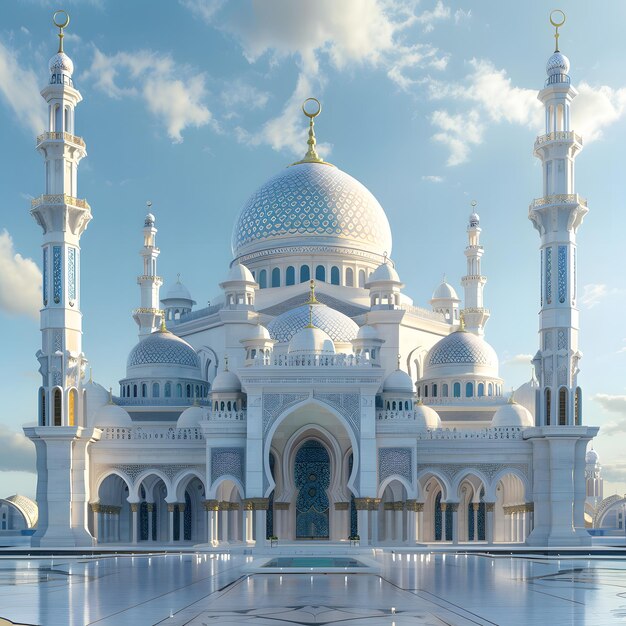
x,y
558,199
146,278
561,136
60,198
67,137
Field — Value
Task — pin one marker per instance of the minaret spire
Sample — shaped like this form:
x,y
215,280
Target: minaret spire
x,y
474,313
311,155
557,216
149,315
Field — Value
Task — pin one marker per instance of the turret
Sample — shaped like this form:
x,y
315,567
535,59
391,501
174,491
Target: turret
x,y
446,302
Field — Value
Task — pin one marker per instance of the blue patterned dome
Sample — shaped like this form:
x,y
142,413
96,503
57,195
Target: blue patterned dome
x,y
336,325
163,347
462,348
312,204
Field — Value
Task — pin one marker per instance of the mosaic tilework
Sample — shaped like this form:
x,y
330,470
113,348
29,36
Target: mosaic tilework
x,y
163,348
313,199
71,275
462,348
562,273
57,279
549,275
45,277
312,478
394,461
227,461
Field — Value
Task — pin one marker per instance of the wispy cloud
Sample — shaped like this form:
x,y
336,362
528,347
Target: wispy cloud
x,y
615,404
18,452
20,281
594,293
241,94
433,179
518,359
204,9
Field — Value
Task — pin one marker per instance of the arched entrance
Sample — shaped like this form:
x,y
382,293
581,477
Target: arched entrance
x,y
312,479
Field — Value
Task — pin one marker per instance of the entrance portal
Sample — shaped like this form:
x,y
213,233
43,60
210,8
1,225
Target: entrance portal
x,y
312,478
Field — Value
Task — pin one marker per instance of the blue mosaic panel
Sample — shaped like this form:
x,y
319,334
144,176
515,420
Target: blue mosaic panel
x,y
312,477
187,517
562,271
394,461
45,277
541,279
574,276
162,347
312,199
57,274
71,276
480,519
549,275
353,514
143,521
227,462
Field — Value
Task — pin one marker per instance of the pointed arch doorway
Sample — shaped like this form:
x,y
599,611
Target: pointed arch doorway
x,y
312,479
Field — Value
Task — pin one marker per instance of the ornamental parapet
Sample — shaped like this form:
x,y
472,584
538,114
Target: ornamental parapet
x,y
228,416
527,507
154,279
153,433
315,360
59,198
150,310
61,137
560,135
396,416
423,313
559,198
497,433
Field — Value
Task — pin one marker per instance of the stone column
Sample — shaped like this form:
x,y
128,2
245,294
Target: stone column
x,y
490,508
181,521
373,508
419,508
411,522
170,521
95,511
234,518
134,521
341,529
444,519
260,519
453,507
398,510
362,508
475,509
280,526
248,521
210,506
105,524
388,506
117,510
150,506
223,508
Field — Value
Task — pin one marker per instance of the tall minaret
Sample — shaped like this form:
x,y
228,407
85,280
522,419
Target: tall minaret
x,y
62,437
474,313
148,315
557,216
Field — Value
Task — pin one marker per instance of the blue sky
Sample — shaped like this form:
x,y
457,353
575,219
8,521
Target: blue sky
x,y
193,104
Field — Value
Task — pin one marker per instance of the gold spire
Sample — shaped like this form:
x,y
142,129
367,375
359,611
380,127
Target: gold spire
x,y
462,323
555,16
163,328
310,324
311,155
61,25
312,299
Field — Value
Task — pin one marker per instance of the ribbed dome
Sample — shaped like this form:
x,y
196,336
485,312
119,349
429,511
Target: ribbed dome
x,y
311,340
312,204
526,394
558,63
191,417
27,507
464,351
97,397
512,414
338,326
111,415
426,417
226,382
385,272
163,347
398,381
445,291
178,291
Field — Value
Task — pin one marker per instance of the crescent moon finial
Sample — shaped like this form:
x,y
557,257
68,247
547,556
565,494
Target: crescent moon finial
x,y
557,19
61,25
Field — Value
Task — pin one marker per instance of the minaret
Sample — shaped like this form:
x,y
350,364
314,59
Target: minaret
x,y
474,313
148,315
62,436
557,216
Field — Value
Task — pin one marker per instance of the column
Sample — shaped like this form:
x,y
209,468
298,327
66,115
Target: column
x,y
95,511
234,518
444,525
388,506
398,510
419,508
411,522
134,515
454,511
150,506
105,523
341,527
362,513
170,521
210,506
248,518
490,508
181,521
260,519
223,507
475,508
281,528
116,521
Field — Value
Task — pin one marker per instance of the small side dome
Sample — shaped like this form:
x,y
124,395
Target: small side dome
x,y
97,397
398,381
190,417
226,382
367,332
149,220
558,63
526,394
445,291
311,340
163,347
426,417
239,272
258,332
178,291
474,219
111,415
384,272
592,457
512,414
60,62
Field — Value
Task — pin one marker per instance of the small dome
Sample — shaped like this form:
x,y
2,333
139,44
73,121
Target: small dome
x,y
150,219
60,62
558,63
112,415
258,332
367,332
239,272
27,507
474,219
512,414
592,457
526,394
445,291
97,397
337,325
178,291
226,382
163,347
190,417
398,381
462,349
426,417
311,340
384,272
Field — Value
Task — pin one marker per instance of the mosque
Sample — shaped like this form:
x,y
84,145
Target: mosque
x,y
314,400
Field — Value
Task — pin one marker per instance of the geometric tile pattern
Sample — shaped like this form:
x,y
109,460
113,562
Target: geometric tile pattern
x,y
462,347
163,347
394,461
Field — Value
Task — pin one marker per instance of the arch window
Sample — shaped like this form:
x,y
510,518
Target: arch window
x,y
578,406
168,389
263,279
276,277
435,390
305,273
562,406
469,390
144,390
134,391
179,390
426,391
490,389
156,391
290,275
222,405
42,407
349,277
548,404
362,278
188,391
456,390
320,273
334,275
57,406
481,390
72,406
444,390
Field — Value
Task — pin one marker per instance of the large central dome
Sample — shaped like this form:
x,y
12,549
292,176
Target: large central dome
x,y
311,205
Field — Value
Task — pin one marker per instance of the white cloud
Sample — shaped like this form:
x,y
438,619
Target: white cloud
x,y
20,281
18,452
518,359
433,179
19,88
240,94
461,15
204,9
595,108
458,133
429,18
593,294
172,93
613,404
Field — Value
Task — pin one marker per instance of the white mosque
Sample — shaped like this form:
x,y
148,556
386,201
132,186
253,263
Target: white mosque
x,y
313,400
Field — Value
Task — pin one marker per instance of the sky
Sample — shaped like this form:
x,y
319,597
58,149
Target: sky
x,y
192,104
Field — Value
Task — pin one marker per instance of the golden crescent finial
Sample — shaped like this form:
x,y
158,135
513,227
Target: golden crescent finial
x,y
311,155
474,203
557,25
319,108
61,25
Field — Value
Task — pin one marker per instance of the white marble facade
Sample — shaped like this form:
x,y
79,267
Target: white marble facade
x,y
313,399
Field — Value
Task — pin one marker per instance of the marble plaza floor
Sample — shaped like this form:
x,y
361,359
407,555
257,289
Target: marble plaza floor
x,y
413,588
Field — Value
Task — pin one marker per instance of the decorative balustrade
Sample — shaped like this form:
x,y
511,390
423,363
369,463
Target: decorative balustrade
x,y
314,360
560,198
148,277
561,135
499,433
423,313
60,198
228,416
391,415
151,433
62,137
159,401
487,400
